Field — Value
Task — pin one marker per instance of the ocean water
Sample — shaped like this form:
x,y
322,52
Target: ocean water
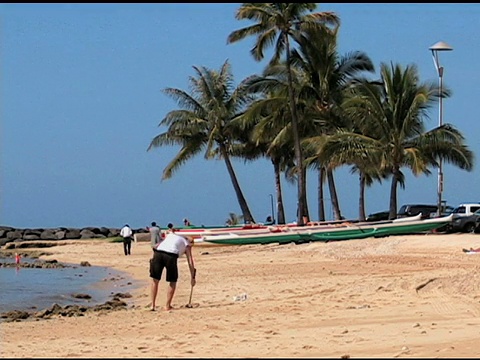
x,y
33,289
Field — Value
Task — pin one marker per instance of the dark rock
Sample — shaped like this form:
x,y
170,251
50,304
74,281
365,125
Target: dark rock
x,y
104,231
81,296
10,234
94,230
87,234
67,311
37,264
4,241
33,244
114,232
48,235
14,235
32,232
72,234
60,235
122,295
15,315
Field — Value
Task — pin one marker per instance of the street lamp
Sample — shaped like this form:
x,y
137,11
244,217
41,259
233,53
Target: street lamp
x,y
273,215
436,48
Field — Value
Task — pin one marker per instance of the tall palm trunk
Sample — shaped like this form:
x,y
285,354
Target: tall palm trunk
x,y
361,198
306,213
302,193
247,215
393,194
333,195
278,191
321,199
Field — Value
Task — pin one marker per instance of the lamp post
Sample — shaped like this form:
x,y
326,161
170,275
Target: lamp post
x,y
273,215
436,48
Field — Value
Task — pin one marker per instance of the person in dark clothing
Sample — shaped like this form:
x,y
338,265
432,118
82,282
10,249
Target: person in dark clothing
x,y
126,233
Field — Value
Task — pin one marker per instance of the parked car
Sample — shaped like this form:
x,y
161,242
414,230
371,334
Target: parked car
x,y
415,209
447,210
466,209
378,216
477,226
467,223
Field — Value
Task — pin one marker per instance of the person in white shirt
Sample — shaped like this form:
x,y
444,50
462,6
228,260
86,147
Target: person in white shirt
x,y
165,255
126,232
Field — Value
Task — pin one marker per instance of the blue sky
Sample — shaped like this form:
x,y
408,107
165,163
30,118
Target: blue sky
x,y
81,100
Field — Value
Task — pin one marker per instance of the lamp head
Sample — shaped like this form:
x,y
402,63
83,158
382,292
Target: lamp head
x,y
440,46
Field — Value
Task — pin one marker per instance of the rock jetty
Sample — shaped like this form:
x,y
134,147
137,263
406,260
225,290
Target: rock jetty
x,y
9,234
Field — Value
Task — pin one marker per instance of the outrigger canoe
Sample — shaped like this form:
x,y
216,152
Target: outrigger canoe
x,y
255,229
325,233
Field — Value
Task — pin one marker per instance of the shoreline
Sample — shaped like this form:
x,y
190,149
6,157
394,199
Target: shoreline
x,y
104,260
399,296
79,287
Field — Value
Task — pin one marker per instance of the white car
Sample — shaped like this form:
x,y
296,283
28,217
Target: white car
x,y
466,209
465,217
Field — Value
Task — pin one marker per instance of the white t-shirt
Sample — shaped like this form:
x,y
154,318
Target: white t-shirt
x,y
174,244
126,232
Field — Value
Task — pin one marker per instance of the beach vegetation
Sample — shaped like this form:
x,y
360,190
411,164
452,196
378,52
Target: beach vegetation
x,y
389,132
267,123
311,108
280,25
234,219
202,123
325,79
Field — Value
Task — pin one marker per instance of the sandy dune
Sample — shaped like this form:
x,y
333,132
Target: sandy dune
x,y
401,296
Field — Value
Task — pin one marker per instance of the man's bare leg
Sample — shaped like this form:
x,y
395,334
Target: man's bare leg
x,y
170,293
153,292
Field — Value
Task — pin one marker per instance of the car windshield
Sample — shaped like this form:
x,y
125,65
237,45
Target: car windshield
x,y
449,209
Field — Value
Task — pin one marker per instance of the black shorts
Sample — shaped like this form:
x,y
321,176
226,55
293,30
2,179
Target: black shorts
x,y
160,260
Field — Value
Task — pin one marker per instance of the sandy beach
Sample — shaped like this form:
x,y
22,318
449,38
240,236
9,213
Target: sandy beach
x,y
400,296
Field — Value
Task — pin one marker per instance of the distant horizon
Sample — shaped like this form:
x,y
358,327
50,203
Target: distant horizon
x,y
81,96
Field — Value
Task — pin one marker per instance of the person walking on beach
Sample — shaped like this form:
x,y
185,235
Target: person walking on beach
x,y
165,256
126,232
155,232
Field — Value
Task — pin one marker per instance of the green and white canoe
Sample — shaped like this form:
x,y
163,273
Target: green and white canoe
x,y
347,231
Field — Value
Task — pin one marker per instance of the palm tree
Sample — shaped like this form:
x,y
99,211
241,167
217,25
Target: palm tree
x,y
233,219
202,123
340,149
389,115
283,21
267,123
328,77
